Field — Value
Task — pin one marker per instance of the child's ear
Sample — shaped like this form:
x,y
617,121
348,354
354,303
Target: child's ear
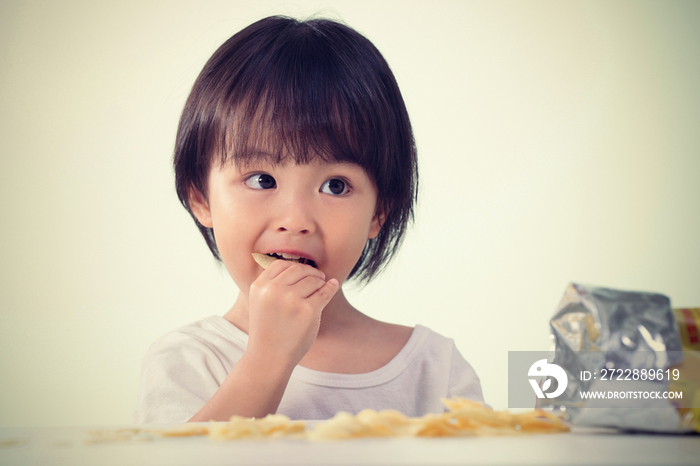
x,y
377,222
200,207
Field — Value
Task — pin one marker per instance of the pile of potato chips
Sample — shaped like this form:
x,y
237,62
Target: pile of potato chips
x,y
464,418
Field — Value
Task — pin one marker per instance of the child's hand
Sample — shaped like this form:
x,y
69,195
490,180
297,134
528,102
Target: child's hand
x,y
286,302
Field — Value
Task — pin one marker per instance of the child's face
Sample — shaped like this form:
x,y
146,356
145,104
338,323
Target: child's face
x,y
320,211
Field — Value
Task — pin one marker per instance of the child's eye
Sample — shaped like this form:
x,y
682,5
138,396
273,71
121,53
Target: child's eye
x,y
334,186
261,181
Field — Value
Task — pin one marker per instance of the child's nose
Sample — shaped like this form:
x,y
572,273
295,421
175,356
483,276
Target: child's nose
x,y
294,216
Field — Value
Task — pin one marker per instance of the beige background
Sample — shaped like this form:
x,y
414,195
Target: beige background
x,y
558,142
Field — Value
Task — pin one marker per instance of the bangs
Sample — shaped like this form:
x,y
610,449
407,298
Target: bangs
x,y
273,125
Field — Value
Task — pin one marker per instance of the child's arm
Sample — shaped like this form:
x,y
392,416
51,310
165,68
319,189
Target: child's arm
x,y
253,388
286,302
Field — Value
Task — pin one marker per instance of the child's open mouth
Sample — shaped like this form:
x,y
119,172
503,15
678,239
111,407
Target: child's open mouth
x,y
293,258
266,259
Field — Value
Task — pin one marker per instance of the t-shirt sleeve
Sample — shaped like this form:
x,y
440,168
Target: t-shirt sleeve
x,y
178,378
464,382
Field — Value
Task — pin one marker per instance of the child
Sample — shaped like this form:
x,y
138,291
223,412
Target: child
x,y
295,141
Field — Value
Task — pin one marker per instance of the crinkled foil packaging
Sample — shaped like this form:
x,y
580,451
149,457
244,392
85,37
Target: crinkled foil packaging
x,y
595,328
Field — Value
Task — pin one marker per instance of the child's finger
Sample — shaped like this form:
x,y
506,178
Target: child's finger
x,y
295,272
308,286
276,268
324,294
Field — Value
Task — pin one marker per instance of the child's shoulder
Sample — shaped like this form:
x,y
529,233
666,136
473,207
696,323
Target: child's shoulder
x,y
385,337
399,334
394,337
408,343
210,334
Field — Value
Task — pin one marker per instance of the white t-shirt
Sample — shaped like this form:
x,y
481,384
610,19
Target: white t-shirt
x,y
183,369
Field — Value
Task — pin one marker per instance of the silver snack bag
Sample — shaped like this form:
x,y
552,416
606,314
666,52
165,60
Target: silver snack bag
x,y
604,339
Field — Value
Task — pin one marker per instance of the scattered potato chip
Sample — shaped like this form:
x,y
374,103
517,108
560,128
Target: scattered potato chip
x,y
367,423
116,435
13,442
270,426
185,430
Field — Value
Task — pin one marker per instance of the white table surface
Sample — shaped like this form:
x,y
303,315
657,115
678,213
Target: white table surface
x,y
70,446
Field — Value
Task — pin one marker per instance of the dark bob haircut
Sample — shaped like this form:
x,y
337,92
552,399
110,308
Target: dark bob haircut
x,y
306,90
